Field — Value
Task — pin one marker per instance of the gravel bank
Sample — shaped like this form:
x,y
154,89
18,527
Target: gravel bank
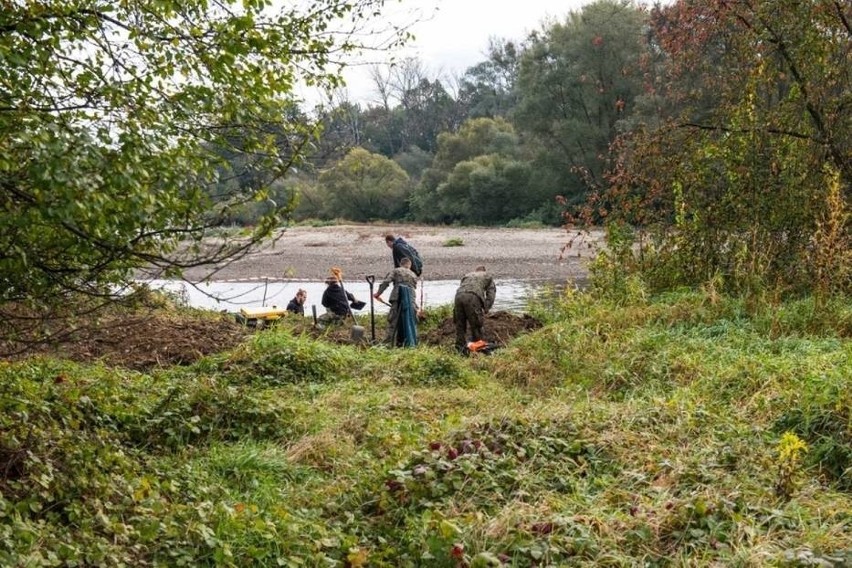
x,y
307,253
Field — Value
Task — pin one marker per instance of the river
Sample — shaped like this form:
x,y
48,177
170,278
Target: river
x,y
230,296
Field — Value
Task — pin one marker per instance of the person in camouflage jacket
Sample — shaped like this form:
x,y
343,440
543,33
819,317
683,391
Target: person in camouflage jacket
x,y
400,277
474,298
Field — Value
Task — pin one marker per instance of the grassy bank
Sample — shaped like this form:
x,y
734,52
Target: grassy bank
x,y
687,430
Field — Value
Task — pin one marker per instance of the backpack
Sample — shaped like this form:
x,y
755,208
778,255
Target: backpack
x,y
411,252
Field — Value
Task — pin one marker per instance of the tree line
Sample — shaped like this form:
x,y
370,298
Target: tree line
x,y
497,144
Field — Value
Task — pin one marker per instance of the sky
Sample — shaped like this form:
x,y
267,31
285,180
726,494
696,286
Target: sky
x,y
452,35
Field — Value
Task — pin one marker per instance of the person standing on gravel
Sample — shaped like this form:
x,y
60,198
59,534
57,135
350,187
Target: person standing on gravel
x,y
474,298
400,249
402,318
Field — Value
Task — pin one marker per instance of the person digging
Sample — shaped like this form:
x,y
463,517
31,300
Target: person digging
x,y
402,318
474,297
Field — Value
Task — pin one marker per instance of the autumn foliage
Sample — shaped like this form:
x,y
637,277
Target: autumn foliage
x,y
742,169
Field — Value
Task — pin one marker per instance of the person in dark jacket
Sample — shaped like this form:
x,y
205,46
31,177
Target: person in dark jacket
x,y
402,318
474,297
297,304
336,301
400,249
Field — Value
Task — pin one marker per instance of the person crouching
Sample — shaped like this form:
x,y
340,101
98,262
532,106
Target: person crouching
x,y
297,304
335,300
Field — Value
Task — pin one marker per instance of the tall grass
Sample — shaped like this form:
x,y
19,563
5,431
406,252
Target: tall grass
x,y
690,429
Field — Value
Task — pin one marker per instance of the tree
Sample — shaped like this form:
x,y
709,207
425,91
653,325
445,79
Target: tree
x,y
414,161
364,186
384,124
488,88
756,188
413,110
427,110
486,190
341,130
456,186
114,120
577,80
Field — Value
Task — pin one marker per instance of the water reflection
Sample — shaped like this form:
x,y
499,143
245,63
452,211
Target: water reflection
x,y
512,295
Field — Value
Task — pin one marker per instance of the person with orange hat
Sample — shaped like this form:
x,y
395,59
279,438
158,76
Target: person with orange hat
x,y
336,301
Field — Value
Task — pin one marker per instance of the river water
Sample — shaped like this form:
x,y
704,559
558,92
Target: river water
x,y
512,295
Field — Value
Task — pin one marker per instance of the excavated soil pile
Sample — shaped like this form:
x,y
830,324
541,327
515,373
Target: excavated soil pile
x,y
142,342
500,327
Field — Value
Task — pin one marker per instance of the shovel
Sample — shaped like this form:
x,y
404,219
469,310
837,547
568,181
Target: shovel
x,y
356,334
372,280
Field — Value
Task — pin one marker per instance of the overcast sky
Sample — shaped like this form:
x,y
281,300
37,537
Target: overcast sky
x,y
452,35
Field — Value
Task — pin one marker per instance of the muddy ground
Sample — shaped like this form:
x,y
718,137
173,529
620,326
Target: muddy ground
x,y
307,253
146,341
140,340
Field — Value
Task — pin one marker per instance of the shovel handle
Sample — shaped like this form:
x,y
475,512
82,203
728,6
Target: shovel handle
x,y
371,279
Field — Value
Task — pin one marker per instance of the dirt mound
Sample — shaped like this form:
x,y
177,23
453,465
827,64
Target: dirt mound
x,y
144,341
500,327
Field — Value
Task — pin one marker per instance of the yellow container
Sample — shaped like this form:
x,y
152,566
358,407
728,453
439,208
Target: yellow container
x,y
272,313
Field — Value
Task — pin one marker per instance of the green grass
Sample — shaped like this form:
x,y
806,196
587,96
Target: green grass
x,y
315,222
617,435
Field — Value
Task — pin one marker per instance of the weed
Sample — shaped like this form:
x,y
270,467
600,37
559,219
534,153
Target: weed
x,y
432,367
820,415
790,450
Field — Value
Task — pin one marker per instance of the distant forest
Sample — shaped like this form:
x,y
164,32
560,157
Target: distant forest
x,y
513,140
